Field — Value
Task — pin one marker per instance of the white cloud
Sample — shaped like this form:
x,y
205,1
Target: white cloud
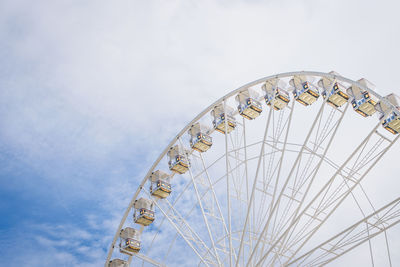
x,y
104,85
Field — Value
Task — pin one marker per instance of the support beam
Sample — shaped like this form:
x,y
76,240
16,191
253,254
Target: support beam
x,y
228,192
147,259
331,196
202,211
191,238
353,236
275,205
253,190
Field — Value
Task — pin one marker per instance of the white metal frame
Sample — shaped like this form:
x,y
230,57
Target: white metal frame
x,y
281,245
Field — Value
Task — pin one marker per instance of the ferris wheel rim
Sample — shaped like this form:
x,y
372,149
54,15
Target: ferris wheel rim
x,y
209,108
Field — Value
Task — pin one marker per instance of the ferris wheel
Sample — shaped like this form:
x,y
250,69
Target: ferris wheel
x,y
271,174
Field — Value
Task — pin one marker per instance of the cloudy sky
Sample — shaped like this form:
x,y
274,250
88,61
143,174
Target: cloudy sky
x,y
91,91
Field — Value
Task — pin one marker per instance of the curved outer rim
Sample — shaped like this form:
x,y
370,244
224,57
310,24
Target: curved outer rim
x,y
205,111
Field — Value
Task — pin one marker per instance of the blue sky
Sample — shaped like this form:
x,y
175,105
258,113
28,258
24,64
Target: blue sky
x,y
89,97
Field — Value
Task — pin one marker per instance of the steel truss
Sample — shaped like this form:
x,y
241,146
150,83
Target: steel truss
x,y
352,237
255,203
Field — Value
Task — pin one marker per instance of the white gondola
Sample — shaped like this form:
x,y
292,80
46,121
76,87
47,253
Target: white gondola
x,y
363,102
391,121
275,96
219,119
199,140
160,184
144,212
117,263
129,241
178,161
248,105
334,91
304,92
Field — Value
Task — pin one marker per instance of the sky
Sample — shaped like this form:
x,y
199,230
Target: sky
x,y
92,91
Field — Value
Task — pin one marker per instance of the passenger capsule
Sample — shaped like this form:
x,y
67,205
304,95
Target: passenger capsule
x,y
275,96
199,139
129,241
178,159
334,91
391,121
144,212
160,184
304,92
363,102
248,105
219,119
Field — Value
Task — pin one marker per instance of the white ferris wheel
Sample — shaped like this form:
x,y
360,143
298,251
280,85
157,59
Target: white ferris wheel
x,y
271,174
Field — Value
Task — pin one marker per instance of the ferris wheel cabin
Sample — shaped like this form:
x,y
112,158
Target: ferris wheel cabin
x,y
160,184
304,92
144,212
219,116
129,241
178,161
391,120
274,95
334,91
117,263
363,102
199,140
248,105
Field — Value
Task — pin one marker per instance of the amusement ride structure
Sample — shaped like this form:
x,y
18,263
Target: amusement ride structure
x,y
271,174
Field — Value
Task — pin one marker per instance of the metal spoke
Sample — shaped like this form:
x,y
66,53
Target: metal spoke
x,y
185,231
275,205
228,193
355,235
249,207
322,136
267,219
335,201
202,211
147,259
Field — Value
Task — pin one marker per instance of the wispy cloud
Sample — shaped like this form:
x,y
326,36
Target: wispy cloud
x,y
91,92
